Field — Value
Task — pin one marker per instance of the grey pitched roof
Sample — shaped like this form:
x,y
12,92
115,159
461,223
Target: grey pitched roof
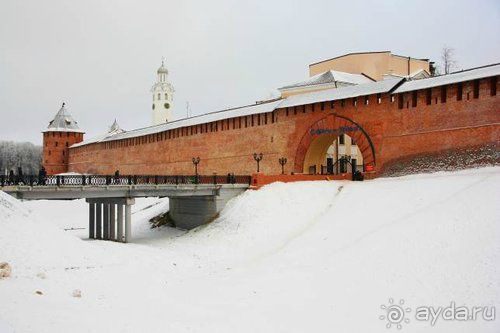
x,y
330,77
63,122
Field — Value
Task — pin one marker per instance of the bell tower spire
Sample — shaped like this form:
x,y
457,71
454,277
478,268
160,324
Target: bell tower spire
x,y
162,92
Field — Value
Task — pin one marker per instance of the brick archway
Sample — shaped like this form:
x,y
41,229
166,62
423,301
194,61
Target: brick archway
x,y
334,124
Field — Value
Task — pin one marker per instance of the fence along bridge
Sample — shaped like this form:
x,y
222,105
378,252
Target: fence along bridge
x,y
193,200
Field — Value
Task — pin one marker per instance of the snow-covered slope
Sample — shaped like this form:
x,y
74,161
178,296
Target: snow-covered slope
x,y
300,257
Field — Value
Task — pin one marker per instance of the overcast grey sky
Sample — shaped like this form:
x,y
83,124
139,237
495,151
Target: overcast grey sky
x,y
100,57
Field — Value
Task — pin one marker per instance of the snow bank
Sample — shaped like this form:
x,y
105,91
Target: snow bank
x,y
300,257
29,244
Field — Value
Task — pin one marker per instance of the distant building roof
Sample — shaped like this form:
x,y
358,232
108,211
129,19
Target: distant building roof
x,y
368,52
63,122
330,77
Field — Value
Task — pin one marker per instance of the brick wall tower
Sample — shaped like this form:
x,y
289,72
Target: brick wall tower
x,y
61,133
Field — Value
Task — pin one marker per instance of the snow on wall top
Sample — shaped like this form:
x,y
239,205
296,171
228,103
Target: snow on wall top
x,y
466,75
393,85
341,93
196,120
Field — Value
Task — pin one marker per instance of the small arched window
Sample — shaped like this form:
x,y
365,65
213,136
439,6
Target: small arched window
x,y
166,96
159,96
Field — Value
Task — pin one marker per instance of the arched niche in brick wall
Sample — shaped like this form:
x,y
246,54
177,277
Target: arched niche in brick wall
x,y
323,132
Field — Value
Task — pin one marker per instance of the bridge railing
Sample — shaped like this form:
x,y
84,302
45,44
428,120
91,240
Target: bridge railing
x,y
107,180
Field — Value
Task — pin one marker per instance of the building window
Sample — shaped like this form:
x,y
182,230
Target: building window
x,y
460,89
443,94
57,143
476,89
414,98
159,96
379,98
355,101
50,153
273,119
493,86
393,98
67,144
166,96
341,139
367,100
286,111
428,96
322,106
342,103
332,104
401,100
294,110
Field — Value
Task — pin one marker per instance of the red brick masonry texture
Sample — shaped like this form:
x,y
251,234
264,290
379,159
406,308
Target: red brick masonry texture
x,y
400,127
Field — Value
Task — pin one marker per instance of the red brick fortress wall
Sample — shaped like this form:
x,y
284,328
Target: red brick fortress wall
x,y
415,123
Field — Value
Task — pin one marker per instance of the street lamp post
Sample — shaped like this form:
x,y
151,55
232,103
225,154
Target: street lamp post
x,y
258,158
282,162
196,161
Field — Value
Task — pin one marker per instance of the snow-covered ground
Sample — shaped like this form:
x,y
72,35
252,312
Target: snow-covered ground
x,y
298,257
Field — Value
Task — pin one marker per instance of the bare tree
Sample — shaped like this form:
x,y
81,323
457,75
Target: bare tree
x,y
448,58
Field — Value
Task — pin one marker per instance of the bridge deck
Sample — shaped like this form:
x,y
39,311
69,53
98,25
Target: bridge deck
x,y
68,192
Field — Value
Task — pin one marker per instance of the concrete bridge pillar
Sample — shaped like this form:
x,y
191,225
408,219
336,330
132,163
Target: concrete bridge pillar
x,y
189,212
110,218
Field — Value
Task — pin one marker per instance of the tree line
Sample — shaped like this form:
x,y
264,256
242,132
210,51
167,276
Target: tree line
x,y
24,155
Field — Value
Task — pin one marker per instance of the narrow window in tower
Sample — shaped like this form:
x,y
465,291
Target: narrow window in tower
x,y
258,119
332,104
159,96
393,98
56,144
272,117
367,100
493,86
379,98
443,94
428,96
234,123
341,139
401,100
252,121
460,90
295,110
342,103
265,118
312,107
286,111
414,98
476,89
355,101
166,96
303,109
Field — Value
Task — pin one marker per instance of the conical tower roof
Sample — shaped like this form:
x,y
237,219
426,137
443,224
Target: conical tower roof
x,y
63,122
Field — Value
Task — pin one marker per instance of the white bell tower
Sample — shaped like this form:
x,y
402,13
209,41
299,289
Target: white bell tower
x,y
162,97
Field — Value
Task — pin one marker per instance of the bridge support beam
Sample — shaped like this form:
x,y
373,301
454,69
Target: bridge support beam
x,y
107,219
189,212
